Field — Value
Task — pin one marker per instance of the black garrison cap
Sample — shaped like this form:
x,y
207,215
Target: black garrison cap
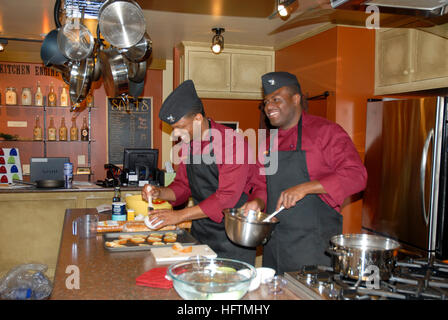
x,y
181,101
273,81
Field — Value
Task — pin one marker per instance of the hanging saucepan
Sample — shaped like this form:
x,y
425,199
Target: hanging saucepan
x,y
114,71
121,22
136,88
81,79
43,183
75,40
49,52
136,70
141,51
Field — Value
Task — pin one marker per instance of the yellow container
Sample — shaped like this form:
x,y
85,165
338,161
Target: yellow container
x,y
140,206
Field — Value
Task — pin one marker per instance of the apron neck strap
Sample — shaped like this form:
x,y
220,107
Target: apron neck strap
x,y
299,134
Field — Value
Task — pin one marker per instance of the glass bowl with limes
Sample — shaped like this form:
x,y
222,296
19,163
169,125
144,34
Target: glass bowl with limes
x,y
211,279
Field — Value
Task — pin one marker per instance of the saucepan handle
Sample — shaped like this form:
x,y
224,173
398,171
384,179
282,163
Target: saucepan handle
x,y
334,252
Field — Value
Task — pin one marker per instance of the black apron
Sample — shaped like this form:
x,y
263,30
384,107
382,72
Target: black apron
x,y
304,231
204,181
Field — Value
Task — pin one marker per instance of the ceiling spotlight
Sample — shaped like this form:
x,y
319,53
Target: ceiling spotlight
x,y
218,40
3,44
282,7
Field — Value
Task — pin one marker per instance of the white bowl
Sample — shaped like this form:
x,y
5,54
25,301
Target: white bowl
x,y
265,274
255,283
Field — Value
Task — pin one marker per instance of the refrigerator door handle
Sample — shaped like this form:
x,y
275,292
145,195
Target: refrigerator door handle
x,y
423,174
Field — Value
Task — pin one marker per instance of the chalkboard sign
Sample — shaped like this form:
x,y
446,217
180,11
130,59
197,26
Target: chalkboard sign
x,y
129,124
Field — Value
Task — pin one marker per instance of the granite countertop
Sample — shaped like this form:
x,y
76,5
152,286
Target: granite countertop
x,y
111,275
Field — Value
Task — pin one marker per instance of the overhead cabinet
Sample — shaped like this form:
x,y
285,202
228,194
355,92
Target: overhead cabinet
x,y
411,60
235,73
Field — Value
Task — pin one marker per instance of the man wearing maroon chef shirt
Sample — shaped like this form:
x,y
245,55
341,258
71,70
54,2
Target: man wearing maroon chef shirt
x,y
217,174
318,167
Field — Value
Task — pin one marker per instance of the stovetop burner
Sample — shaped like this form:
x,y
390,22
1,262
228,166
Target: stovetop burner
x,y
411,279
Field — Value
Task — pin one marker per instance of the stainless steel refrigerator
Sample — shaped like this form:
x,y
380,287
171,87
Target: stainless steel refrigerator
x,y
406,161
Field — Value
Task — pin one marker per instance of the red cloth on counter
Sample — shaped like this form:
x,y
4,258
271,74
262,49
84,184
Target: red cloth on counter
x,y
234,179
331,158
155,278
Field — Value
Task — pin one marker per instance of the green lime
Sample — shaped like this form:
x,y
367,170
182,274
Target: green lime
x,y
226,269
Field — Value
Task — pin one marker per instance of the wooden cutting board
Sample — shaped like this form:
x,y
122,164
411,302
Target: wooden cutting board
x,y
168,254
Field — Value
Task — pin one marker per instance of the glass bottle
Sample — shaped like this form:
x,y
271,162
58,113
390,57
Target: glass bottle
x,y
73,131
52,96
117,195
37,132
64,98
51,130
63,131
84,130
38,97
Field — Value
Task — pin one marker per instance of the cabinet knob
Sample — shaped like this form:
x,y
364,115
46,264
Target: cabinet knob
x,y
412,70
405,72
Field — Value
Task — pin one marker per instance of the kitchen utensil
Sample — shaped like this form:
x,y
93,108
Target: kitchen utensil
x,y
273,214
114,71
121,22
43,183
85,226
136,70
136,88
75,40
211,279
168,254
353,255
141,51
50,52
81,79
250,230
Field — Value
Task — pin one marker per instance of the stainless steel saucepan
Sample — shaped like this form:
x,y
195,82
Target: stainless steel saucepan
x,y
115,72
122,22
361,255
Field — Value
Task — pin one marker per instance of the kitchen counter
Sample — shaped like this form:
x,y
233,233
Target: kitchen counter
x,y
32,219
76,188
111,275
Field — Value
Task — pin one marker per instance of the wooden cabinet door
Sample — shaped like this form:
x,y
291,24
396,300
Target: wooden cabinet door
x,y
431,52
209,72
393,57
247,70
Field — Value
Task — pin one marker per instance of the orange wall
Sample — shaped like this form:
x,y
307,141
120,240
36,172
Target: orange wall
x,y
153,88
339,60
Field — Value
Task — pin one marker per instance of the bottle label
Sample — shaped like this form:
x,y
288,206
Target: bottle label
x,y
37,133
51,134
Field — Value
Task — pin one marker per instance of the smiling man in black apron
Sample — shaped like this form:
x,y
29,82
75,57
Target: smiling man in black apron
x,y
318,167
214,181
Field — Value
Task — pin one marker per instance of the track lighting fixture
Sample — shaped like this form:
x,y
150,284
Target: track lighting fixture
x,y
218,40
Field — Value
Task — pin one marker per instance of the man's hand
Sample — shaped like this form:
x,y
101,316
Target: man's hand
x,y
168,217
291,196
257,205
150,191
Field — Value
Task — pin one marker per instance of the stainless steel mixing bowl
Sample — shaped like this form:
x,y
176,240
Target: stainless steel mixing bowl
x,y
248,229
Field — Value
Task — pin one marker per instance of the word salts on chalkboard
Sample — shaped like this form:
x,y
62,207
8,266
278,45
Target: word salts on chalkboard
x,y
129,126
